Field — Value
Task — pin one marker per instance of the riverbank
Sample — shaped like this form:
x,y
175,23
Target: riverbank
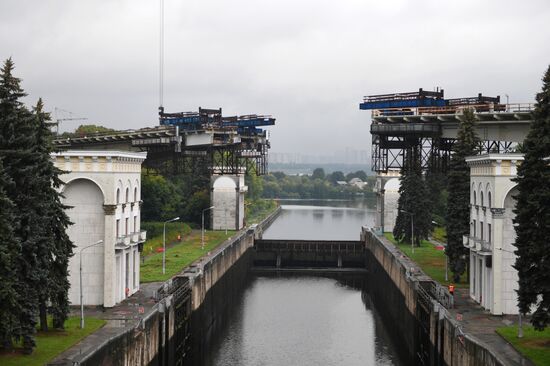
x,y
463,333
147,327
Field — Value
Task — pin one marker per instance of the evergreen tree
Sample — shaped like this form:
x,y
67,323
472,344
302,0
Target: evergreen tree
x,y
533,214
414,203
9,252
458,203
56,244
17,142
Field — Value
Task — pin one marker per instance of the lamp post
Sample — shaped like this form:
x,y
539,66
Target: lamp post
x,y
81,292
164,243
412,228
202,231
225,214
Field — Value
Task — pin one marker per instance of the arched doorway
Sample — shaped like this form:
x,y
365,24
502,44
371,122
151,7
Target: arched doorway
x,y
86,199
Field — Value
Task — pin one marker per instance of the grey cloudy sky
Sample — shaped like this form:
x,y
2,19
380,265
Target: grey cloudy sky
x,y
306,62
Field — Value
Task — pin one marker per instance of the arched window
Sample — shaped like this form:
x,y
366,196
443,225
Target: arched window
x,y
135,194
127,195
489,199
475,198
118,196
481,196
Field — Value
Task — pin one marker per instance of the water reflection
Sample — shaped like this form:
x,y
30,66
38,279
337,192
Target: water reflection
x,y
323,220
302,321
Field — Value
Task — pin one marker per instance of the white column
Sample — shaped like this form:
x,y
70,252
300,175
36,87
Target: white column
x,y
109,241
498,216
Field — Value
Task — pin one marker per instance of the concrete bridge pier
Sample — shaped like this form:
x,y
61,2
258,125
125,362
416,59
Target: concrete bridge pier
x,y
227,197
278,260
387,194
339,260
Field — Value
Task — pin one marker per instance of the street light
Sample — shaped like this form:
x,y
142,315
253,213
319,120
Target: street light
x,y
164,243
225,214
202,231
81,292
412,228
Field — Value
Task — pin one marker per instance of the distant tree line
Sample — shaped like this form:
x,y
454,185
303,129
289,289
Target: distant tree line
x,y
34,246
317,186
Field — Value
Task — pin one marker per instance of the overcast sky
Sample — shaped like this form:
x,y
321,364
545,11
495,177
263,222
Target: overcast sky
x,y
306,62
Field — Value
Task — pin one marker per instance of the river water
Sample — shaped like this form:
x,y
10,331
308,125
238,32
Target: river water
x,y
307,320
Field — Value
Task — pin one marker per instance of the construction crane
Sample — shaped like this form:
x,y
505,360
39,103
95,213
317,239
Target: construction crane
x,y
58,120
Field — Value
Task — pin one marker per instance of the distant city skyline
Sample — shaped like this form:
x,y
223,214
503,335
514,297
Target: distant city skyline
x,y
348,155
307,63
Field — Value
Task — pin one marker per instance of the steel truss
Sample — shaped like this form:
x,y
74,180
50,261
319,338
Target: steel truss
x,y
389,152
206,160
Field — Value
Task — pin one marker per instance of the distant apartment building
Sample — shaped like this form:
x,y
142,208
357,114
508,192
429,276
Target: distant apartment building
x,y
493,280
103,190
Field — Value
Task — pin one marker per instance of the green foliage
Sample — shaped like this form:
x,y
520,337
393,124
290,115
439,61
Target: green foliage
x,y
533,345
85,130
160,198
40,260
258,210
318,173
414,202
336,176
53,342
280,185
9,250
533,215
458,202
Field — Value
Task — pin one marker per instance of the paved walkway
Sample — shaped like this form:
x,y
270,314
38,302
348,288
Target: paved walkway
x,y
119,318
481,324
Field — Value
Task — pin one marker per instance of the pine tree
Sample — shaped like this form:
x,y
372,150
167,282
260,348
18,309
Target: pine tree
x,y
458,203
55,242
9,251
17,140
413,203
533,214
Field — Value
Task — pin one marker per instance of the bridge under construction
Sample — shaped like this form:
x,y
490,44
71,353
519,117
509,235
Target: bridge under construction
x,y
190,142
426,122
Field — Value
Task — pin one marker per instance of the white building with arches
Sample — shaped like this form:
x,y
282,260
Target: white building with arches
x,y
103,190
227,199
493,280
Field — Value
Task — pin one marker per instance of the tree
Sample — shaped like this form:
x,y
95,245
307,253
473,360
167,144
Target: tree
x,y
57,248
318,173
17,144
533,214
160,198
9,251
336,176
458,202
413,203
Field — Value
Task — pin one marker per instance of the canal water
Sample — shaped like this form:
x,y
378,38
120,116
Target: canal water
x,y
307,320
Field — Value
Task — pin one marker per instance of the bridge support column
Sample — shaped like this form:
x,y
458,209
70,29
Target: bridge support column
x,y
339,260
387,189
278,260
227,197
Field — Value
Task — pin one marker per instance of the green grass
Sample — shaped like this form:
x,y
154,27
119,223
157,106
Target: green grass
x,y
534,345
440,234
259,210
52,343
431,260
154,232
181,254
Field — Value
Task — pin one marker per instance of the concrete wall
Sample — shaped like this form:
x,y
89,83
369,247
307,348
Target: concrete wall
x,y
228,200
421,326
104,190
191,308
